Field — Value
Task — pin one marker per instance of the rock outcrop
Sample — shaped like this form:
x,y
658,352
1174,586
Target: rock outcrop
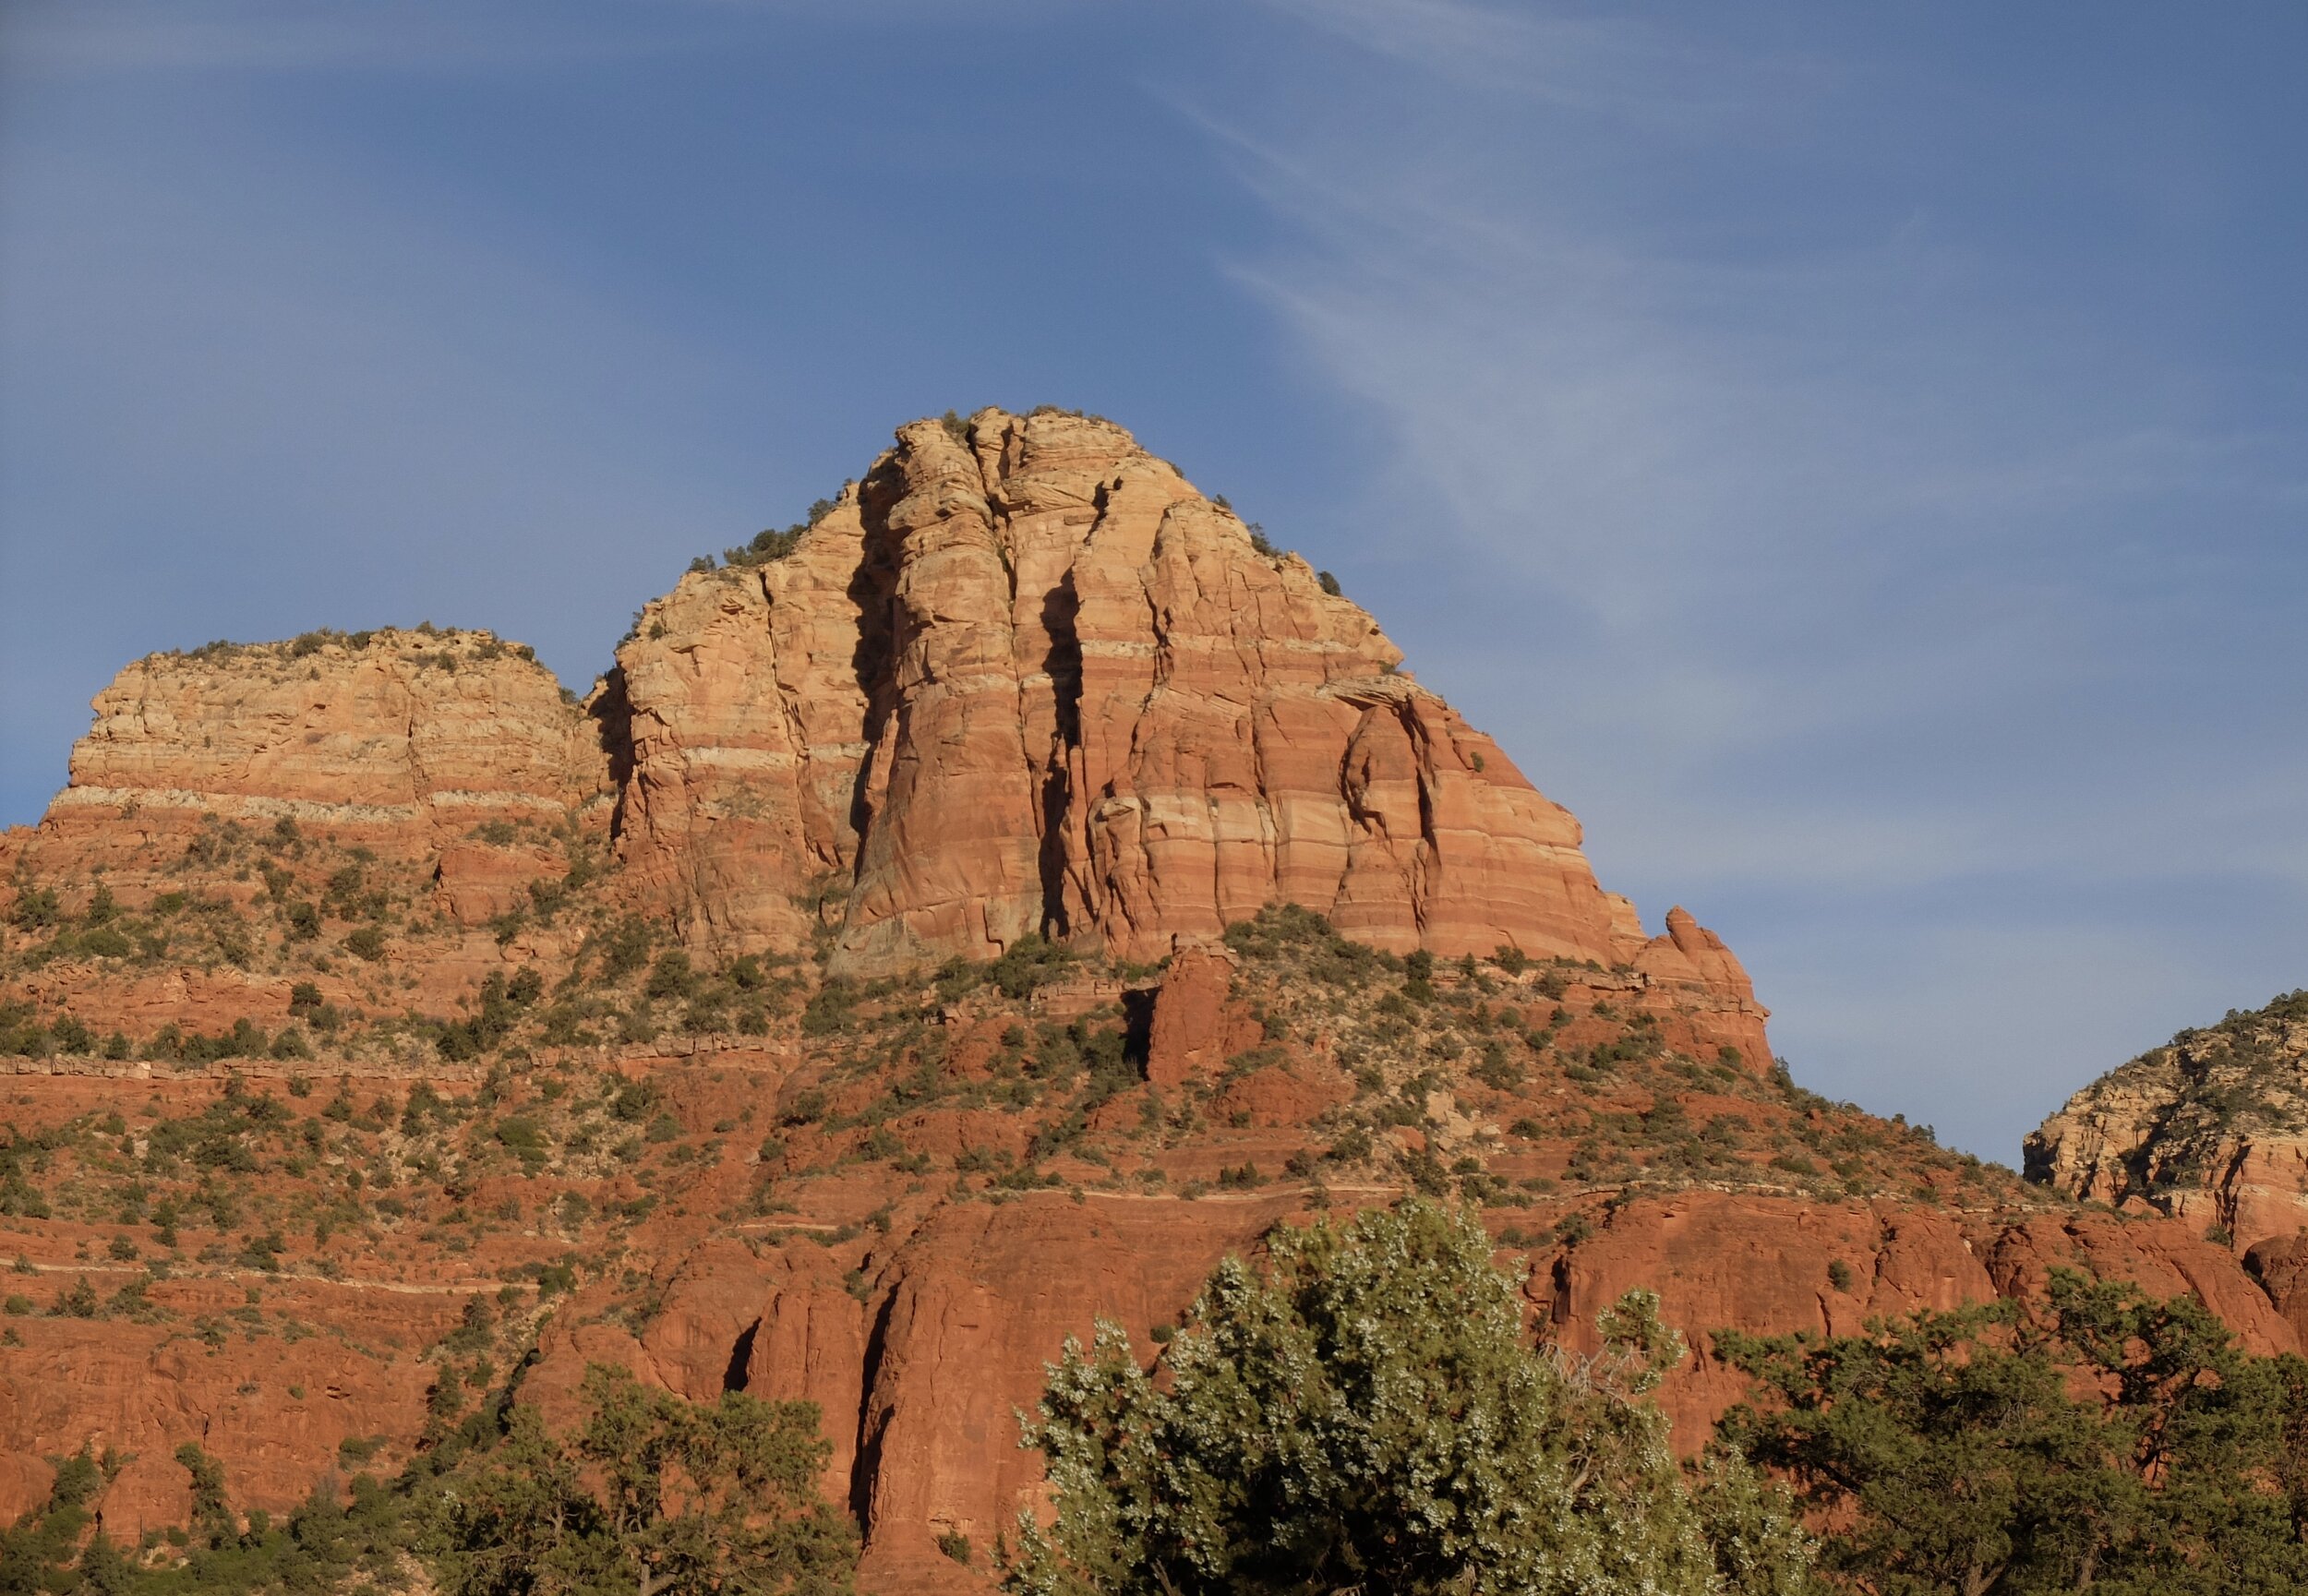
x,y
475,1073
423,746
2212,1127
1024,679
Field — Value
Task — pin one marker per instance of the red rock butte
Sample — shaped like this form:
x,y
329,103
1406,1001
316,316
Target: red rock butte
x,y
1021,677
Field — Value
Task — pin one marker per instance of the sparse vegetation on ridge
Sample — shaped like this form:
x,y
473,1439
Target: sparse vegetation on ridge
x,y
2178,1112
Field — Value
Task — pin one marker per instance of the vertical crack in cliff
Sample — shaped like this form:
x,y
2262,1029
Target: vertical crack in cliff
x,y
1061,662
873,590
733,1376
1426,864
611,713
868,1461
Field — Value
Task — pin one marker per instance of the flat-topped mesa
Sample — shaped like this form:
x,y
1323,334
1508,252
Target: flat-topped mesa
x,y
406,742
1024,679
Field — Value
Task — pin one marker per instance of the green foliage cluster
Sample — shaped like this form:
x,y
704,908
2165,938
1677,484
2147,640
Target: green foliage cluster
x,y
652,1496
769,544
2098,1441
1283,931
1367,1413
497,1009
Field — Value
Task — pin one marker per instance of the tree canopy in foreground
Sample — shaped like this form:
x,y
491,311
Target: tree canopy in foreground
x,y
655,1496
2096,1440
1368,1413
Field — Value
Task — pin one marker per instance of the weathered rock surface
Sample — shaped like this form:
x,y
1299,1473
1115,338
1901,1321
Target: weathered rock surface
x,y
2281,1267
2212,1127
419,745
1196,1024
275,1410
1027,680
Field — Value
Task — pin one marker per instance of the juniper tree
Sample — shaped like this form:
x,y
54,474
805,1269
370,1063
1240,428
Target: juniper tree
x,y
2098,1440
1368,1413
655,1496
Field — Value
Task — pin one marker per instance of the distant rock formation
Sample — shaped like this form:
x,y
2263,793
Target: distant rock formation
x,y
2212,1127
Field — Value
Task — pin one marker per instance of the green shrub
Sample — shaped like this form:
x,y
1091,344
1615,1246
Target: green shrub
x,y
524,1138
36,909
634,1101
1496,1070
1366,1413
830,1010
625,949
2095,1439
671,976
104,942
1026,964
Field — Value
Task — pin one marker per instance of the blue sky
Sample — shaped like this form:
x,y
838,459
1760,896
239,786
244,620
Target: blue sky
x,y
1854,456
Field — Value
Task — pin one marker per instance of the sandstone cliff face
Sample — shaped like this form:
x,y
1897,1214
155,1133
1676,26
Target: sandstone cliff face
x,y
2212,1127
1022,679
1027,680
414,745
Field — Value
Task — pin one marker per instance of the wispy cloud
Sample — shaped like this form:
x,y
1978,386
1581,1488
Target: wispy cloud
x,y
1870,577
1618,64
274,36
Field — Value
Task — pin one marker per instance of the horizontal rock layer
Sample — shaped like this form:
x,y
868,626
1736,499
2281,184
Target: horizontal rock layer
x,y
415,745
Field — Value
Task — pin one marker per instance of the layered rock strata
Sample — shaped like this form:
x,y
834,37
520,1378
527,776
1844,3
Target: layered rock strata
x,y
1021,679
1024,679
428,747
2212,1127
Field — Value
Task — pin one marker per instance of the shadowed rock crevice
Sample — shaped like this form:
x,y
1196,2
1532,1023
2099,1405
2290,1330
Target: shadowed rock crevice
x,y
612,716
873,592
872,1424
1061,662
741,1359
